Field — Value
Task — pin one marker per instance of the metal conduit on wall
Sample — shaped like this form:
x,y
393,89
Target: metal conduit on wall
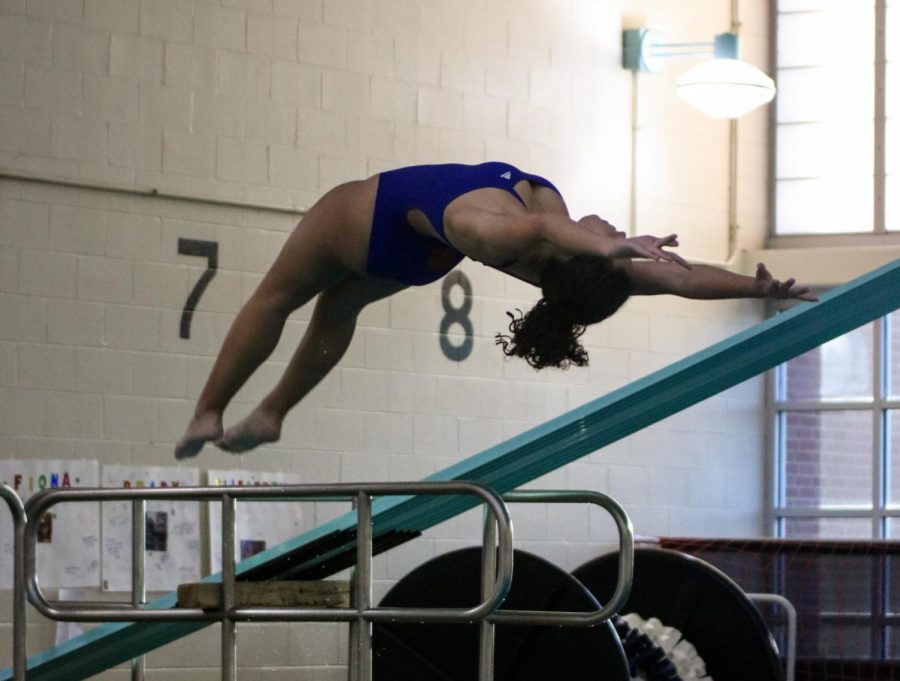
x,y
733,225
147,192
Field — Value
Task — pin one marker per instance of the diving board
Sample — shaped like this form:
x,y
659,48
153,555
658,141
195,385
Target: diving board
x,y
508,465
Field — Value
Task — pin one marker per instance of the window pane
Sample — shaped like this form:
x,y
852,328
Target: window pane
x,y
892,203
802,94
892,146
893,30
827,528
794,46
824,164
893,650
807,94
826,205
800,5
840,33
892,93
827,459
824,149
838,370
894,354
892,126
893,443
892,585
845,640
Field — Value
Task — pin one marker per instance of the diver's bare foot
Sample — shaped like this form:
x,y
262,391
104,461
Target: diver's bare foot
x,y
200,430
257,428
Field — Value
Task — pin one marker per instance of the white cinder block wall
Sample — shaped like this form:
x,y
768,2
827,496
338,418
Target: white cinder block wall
x,y
271,103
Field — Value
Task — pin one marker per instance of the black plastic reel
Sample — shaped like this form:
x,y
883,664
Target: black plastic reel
x,y
449,652
710,610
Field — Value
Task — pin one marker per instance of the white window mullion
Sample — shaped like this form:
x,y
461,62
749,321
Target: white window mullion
x,y
774,473
836,512
829,405
879,444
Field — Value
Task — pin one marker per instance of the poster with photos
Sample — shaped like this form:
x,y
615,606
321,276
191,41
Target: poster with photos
x,y
172,530
68,548
260,524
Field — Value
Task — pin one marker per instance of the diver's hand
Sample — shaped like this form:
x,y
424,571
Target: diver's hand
x,y
770,287
650,247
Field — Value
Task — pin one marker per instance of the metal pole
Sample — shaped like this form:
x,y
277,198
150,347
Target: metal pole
x,y
18,176
791,654
18,512
488,575
635,130
138,577
229,638
352,650
363,587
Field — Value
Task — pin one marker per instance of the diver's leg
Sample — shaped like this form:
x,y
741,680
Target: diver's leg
x,y
326,340
303,268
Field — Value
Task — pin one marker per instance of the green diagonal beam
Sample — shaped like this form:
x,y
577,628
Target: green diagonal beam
x,y
525,457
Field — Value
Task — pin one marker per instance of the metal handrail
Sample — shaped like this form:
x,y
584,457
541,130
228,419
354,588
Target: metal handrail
x,y
128,612
17,508
790,658
626,560
541,617
496,565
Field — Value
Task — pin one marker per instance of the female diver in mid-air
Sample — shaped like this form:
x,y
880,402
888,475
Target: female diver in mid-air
x,y
366,240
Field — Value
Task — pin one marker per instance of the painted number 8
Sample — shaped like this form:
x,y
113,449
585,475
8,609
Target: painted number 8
x,y
456,315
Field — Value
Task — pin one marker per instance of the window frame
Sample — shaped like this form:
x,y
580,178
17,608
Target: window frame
x,y
879,406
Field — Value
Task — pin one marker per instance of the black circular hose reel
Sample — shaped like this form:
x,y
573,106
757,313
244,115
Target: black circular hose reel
x,y
708,608
449,652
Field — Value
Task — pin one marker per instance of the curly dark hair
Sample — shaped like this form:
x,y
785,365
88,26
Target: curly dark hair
x,y
582,290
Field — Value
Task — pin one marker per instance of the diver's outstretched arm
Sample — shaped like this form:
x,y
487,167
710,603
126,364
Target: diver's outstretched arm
x,y
710,283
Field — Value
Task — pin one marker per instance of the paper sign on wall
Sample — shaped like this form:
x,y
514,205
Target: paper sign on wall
x,y
260,525
66,631
172,537
68,548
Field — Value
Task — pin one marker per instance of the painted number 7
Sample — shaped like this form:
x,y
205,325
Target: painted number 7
x,y
210,251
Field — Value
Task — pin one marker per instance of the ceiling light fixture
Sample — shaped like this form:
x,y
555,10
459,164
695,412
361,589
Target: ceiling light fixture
x,y
721,87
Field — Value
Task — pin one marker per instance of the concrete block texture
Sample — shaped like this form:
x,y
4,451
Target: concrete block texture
x,y
222,27
54,90
26,39
81,47
9,270
24,317
170,20
272,35
136,57
47,366
190,66
113,15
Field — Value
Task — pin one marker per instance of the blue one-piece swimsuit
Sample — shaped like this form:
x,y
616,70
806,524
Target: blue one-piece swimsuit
x,y
396,250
